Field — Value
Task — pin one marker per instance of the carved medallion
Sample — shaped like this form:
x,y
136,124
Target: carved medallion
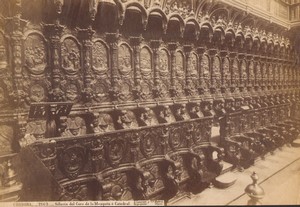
x,y
115,151
148,142
175,138
37,93
72,92
118,188
35,54
70,56
72,161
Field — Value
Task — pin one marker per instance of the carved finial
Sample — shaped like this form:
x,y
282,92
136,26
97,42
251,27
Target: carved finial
x,y
254,191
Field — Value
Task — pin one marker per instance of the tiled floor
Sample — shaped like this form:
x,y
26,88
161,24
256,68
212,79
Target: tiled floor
x,y
279,175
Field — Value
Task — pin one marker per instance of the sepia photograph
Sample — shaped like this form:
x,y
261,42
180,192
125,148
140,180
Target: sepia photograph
x,y
149,102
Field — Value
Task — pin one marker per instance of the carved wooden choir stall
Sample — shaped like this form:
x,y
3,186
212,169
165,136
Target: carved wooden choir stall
x,y
116,99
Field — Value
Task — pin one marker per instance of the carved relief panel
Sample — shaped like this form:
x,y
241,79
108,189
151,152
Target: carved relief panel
x,y
251,73
5,74
35,77
179,73
226,73
101,80
235,72
71,83
164,73
243,74
216,71
193,70
147,75
206,71
125,82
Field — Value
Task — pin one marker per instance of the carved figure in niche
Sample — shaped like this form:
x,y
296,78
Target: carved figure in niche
x,y
145,62
3,59
75,126
37,93
72,92
70,57
35,56
6,138
163,64
100,64
102,123
124,61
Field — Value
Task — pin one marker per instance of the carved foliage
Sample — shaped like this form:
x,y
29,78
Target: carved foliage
x,y
101,81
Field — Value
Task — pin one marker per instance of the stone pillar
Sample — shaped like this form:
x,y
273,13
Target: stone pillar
x,y
85,35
